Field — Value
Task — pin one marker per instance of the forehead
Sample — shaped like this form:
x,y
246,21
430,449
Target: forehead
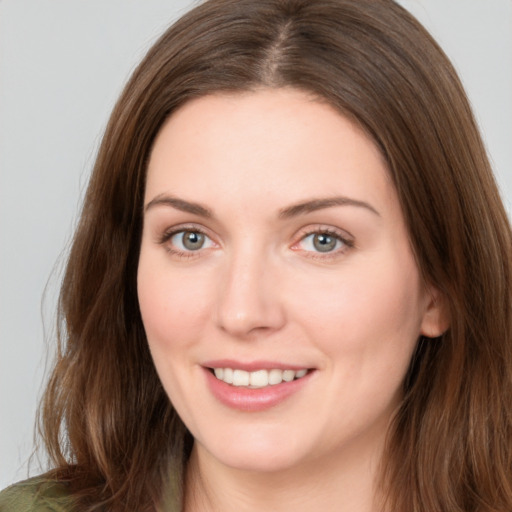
x,y
277,143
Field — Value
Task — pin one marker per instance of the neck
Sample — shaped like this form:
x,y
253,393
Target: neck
x,y
345,482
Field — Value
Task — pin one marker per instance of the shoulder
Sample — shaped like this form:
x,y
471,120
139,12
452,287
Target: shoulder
x,y
38,494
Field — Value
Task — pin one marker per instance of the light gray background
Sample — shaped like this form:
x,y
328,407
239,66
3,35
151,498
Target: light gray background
x,y
62,65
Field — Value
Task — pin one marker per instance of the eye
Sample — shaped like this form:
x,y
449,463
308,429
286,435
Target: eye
x,y
323,242
189,241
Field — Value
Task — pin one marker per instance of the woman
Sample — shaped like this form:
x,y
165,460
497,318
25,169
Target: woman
x,y
292,271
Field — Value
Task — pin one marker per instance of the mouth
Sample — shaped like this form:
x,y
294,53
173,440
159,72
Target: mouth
x,y
255,386
257,379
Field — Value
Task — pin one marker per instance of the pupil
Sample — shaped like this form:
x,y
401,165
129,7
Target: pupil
x,y
324,243
193,240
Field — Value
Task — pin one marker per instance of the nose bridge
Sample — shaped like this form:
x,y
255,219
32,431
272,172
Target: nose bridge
x,y
248,298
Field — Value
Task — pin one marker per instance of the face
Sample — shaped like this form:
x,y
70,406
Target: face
x,y
277,286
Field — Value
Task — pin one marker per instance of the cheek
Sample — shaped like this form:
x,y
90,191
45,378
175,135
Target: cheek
x,y
172,308
374,307
170,303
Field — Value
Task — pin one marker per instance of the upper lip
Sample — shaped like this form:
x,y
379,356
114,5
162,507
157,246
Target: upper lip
x,y
250,366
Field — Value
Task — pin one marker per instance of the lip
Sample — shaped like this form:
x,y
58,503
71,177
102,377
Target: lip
x,y
252,400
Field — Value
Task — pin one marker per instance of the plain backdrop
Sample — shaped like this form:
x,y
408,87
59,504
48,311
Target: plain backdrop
x,y
62,65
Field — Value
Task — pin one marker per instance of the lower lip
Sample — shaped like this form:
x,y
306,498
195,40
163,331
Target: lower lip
x,y
253,400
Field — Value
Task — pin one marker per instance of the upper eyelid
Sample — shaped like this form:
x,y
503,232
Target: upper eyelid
x,y
173,230
343,234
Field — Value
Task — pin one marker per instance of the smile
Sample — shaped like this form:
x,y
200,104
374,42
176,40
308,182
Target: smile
x,y
259,378
255,386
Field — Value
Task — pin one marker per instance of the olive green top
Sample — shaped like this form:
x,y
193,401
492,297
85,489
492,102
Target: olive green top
x,y
41,494
36,495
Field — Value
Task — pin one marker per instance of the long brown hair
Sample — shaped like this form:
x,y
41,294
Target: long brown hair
x,y
106,421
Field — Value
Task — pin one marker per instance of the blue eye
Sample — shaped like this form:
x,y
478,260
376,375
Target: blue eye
x,y
323,242
187,241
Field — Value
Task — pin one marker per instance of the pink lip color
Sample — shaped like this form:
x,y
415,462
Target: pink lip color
x,y
252,400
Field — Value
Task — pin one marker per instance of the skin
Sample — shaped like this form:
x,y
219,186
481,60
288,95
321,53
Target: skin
x,y
259,289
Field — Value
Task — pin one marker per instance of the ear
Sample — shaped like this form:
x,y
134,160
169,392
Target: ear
x,y
436,319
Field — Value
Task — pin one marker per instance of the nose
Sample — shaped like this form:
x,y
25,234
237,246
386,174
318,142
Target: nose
x,y
249,299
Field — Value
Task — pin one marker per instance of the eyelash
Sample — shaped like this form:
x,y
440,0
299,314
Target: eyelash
x,y
167,235
347,243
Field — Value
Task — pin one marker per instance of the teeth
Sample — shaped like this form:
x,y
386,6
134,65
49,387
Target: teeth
x,y
258,378
289,375
228,375
240,378
275,377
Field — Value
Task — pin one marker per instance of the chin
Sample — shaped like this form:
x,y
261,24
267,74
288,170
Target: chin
x,y
260,452
256,462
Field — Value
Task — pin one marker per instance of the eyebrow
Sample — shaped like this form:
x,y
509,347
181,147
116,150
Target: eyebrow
x,y
319,204
285,213
179,204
